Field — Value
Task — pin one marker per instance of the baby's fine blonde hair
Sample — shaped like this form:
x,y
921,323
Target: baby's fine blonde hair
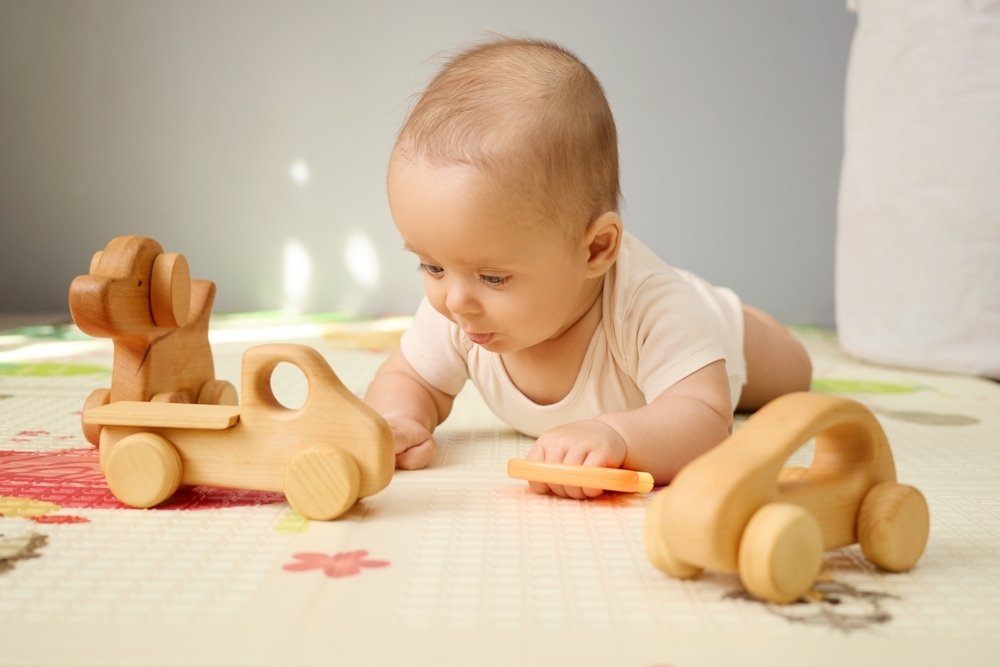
x,y
528,113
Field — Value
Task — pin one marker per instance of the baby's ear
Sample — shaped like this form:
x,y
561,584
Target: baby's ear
x,y
603,238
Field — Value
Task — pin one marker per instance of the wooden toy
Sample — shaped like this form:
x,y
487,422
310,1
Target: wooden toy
x,y
157,317
591,477
735,509
323,456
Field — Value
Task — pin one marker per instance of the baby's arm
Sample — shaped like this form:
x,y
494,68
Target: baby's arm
x,y
687,419
411,406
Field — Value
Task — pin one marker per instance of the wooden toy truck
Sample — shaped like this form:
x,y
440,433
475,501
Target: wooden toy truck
x,y
145,301
323,456
736,509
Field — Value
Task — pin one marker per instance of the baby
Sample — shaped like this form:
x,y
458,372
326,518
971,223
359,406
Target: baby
x,y
504,184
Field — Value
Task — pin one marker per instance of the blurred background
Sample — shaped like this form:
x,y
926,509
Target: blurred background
x,y
253,136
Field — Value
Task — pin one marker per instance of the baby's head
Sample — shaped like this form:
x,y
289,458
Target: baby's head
x,y
530,117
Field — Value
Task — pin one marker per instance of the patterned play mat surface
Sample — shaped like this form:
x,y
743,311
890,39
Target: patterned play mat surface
x,y
457,564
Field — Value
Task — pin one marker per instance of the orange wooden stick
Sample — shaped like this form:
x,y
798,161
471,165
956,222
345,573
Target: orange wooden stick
x,y
591,477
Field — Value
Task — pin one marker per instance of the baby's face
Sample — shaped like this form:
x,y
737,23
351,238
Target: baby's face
x,y
509,280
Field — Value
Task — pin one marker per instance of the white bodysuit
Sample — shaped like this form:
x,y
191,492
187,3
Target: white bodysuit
x,y
658,325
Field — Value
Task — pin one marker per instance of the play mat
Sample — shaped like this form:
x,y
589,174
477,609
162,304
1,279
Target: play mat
x,y
457,564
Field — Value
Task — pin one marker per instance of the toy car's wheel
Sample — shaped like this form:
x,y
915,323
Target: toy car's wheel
x,y
97,398
781,552
656,545
143,469
893,526
218,392
322,482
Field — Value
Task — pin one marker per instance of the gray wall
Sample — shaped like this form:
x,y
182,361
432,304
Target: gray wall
x,y
183,120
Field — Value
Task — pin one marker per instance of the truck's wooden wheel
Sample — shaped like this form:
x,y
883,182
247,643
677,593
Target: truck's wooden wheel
x,y
143,469
322,482
654,537
218,392
893,525
781,552
97,398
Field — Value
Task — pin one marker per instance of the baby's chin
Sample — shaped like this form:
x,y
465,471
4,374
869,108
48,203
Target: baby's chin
x,y
494,342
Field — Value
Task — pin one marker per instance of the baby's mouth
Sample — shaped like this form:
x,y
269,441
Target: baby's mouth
x,y
479,338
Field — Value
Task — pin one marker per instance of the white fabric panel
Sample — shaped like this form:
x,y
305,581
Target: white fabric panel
x,y
918,242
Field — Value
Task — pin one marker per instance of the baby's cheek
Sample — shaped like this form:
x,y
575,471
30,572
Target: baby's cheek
x,y
435,297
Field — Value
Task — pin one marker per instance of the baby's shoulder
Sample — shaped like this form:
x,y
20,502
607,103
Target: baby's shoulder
x,y
640,276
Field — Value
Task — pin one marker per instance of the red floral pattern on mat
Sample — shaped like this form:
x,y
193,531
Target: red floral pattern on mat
x,y
73,478
343,564
60,518
29,435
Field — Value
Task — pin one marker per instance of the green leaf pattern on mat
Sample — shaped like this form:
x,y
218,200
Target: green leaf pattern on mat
x,y
52,370
292,523
925,417
928,417
849,386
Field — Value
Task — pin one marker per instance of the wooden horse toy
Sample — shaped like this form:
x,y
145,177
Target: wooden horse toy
x,y
736,509
145,301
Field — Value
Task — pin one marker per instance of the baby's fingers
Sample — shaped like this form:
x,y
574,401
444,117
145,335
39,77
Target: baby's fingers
x,y
574,457
556,454
579,493
417,457
537,453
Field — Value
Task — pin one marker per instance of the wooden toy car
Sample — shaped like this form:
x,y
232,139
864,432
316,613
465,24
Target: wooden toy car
x,y
157,317
735,509
323,455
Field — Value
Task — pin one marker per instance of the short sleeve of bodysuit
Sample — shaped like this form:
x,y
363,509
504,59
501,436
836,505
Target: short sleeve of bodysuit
x,y
666,323
436,349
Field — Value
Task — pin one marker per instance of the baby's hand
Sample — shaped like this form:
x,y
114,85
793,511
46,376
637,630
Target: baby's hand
x,y
589,443
415,446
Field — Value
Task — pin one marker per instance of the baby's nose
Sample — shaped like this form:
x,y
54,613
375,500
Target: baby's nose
x,y
460,300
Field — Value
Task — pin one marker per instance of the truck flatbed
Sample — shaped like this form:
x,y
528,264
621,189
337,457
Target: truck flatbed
x,y
163,415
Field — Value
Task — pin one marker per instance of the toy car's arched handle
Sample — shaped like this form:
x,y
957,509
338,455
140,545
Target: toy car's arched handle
x,y
718,492
848,436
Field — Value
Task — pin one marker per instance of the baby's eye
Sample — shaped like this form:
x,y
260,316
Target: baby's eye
x,y
494,281
431,269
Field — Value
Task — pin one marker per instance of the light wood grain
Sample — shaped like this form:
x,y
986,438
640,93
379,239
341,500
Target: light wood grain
x,y
324,455
143,470
848,493
157,318
170,415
